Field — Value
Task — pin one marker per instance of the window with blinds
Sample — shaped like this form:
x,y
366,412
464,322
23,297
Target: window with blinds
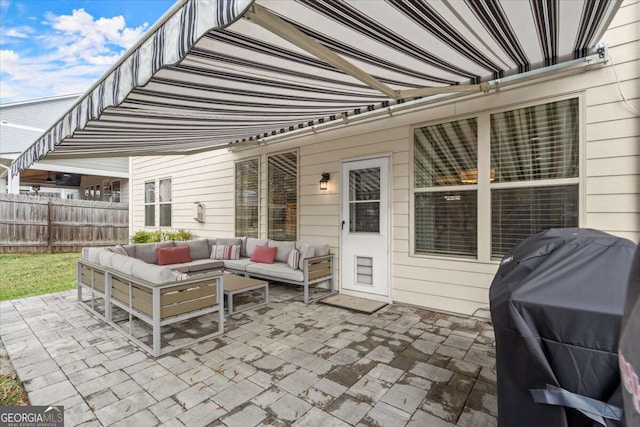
x,y
445,156
164,202
149,204
531,148
247,197
532,179
283,196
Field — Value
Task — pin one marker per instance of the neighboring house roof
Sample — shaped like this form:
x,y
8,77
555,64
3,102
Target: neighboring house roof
x,y
211,73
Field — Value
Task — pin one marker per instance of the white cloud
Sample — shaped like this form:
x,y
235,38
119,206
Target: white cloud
x,y
21,32
70,53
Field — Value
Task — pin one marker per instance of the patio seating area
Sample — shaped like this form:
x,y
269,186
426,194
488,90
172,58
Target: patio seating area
x,y
285,363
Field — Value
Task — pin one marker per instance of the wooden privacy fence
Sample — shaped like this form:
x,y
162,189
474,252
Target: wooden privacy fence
x,y
38,224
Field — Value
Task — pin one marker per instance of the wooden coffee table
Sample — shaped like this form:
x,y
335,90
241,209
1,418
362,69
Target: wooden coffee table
x,y
234,285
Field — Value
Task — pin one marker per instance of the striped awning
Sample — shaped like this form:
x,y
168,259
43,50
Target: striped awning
x,y
214,73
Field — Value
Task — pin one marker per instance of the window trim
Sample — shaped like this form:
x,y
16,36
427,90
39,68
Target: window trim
x,y
235,188
275,153
483,187
156,203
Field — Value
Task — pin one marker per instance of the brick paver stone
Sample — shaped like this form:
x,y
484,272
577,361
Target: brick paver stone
x,y
289,407
298,382
247,416
386,373
405,397
52,394
142,418
317,418
386,415
421,418
381,354
368,389
472,418
202,414
349,409
164,387
101,399
431,372
194,395
39,382
166,410
237,395
268,362
123,408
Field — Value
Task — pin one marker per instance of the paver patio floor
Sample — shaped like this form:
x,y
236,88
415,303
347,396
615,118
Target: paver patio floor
x,y
283,364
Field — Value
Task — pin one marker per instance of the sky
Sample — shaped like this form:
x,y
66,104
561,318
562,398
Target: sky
x,y
61,47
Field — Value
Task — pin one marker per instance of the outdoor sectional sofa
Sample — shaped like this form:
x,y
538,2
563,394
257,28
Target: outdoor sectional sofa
x,y
128,277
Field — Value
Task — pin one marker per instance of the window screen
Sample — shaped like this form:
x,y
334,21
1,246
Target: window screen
x,y
283,196
247,197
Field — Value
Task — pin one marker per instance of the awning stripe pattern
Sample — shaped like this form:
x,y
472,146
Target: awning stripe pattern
x,y
206,78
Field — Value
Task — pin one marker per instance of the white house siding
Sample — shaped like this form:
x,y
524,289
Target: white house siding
x,y
609,179
38,114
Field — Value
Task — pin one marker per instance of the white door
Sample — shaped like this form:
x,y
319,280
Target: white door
x,y
364,259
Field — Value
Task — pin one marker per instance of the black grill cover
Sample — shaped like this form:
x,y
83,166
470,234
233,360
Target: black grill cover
x,y
556,305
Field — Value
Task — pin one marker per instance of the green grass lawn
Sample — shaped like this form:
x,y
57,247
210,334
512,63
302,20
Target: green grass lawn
x,y
23,275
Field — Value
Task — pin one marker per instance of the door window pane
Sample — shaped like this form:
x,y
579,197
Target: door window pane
x,y
364,184
283,196
446,223
364,200
364,217
247,181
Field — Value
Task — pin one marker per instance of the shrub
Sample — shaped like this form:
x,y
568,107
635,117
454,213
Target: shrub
x,y
146,236
179,235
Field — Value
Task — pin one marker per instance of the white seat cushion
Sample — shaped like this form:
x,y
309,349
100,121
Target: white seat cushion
x,y
153,273
197,265
237,264
277,270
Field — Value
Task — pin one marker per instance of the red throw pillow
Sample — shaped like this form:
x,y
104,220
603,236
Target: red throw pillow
x,y
264,254
174,255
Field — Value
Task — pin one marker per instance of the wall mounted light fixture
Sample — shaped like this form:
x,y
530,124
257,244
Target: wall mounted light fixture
x,y
324,180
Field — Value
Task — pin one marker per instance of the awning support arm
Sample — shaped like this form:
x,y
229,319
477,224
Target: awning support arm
x,y
272,22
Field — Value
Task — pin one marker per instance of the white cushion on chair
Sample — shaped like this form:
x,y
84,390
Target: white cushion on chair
x,y
277,270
